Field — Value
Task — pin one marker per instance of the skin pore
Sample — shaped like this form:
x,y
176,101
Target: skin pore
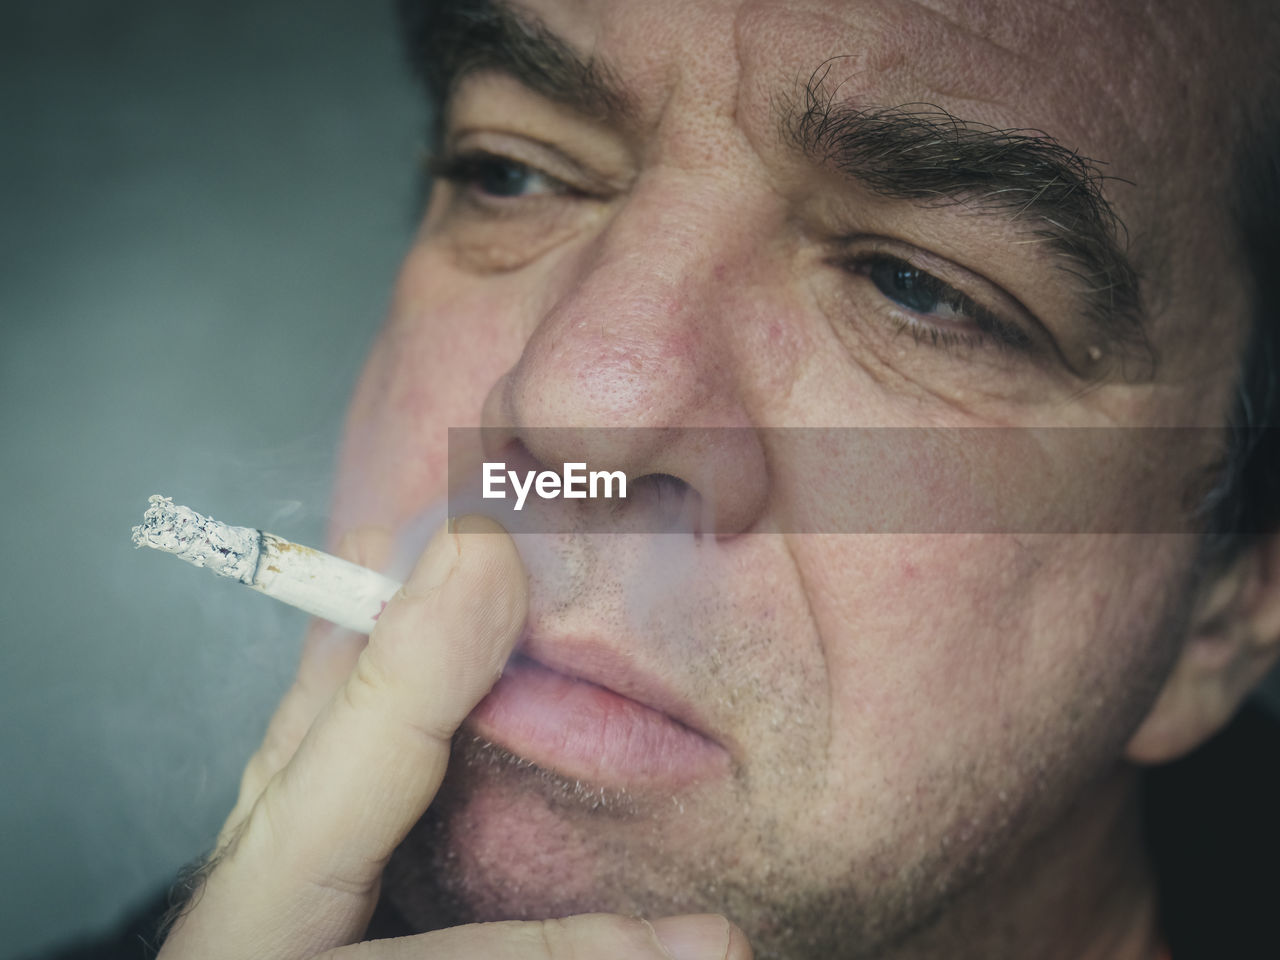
x,y
923,736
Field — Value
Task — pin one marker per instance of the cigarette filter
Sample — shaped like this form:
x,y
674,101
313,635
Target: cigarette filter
x,y
321,584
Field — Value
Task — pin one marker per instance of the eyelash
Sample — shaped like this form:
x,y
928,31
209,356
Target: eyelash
x,y
469,169
991,329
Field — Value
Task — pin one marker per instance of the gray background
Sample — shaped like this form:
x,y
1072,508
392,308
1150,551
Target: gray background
x,y
202,206
202,209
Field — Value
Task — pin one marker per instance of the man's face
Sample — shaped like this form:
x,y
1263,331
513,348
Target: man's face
x,y
868,722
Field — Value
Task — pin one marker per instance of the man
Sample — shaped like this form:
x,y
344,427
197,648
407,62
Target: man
x,y
899,744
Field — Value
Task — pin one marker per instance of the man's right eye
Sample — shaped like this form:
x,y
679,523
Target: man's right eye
x,y
488,175
503,206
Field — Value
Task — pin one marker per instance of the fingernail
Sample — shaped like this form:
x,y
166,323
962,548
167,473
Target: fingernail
x,y
701,937
435,565
474,523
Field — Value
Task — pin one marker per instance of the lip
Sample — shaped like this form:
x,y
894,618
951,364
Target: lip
x,y
590,714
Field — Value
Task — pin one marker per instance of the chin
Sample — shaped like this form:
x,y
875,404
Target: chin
x,y
506,840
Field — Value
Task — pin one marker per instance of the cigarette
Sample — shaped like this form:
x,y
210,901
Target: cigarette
x,y
323,585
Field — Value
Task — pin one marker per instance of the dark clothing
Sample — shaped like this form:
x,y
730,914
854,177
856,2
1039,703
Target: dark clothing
x,y
1212,827
1213,832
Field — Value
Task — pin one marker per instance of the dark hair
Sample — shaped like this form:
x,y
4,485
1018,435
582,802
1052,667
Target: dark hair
x,y
1246,501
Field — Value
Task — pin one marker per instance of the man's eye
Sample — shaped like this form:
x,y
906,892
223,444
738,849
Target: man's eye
x,y
948,315
493,176
915,289
502,200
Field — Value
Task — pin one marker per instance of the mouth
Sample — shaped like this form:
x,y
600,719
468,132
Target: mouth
x,y
594,717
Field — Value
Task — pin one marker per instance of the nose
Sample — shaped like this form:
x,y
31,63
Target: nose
x,y
634,364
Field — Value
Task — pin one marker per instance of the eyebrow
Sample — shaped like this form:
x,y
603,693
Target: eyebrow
x,y
913,152
449,40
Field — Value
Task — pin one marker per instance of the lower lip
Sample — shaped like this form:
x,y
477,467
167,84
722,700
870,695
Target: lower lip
x,y
589,733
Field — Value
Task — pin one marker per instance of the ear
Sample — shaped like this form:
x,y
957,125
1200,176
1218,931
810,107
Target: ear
x,y
1234,640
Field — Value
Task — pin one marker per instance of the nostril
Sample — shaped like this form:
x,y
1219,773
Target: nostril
x,y
519,457
619,480
667,503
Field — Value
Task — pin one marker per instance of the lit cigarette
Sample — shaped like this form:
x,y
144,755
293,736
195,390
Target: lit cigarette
x,y
321,584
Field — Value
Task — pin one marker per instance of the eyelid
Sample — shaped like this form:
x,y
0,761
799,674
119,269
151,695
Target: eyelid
x,y
968,282
461,167
984,293
539,156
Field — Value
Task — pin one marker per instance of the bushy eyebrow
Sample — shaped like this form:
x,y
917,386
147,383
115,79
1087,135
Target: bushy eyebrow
x,y
449,40
922,153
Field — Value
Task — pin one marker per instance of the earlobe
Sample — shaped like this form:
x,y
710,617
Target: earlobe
x,y
1233,641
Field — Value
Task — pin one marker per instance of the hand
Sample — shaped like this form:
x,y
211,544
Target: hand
x,y
352,758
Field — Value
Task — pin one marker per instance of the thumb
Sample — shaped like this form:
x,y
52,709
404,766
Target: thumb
x,y
302,872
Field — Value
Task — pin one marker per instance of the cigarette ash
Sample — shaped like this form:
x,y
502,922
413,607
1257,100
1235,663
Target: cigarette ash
x,y
226,550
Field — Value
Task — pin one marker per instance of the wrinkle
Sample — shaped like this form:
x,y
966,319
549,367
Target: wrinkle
x,y
987,41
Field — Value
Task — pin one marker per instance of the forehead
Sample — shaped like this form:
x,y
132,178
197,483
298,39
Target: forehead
x,y
1089,73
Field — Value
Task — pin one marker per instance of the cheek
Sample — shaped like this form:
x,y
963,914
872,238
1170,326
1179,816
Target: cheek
x,y
444,345
986,663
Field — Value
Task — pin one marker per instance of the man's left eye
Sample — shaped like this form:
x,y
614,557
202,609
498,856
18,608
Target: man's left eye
x,y
493,176
936,310
917,290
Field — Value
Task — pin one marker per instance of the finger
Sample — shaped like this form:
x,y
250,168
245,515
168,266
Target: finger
x,y
702,937
328,656
302,874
